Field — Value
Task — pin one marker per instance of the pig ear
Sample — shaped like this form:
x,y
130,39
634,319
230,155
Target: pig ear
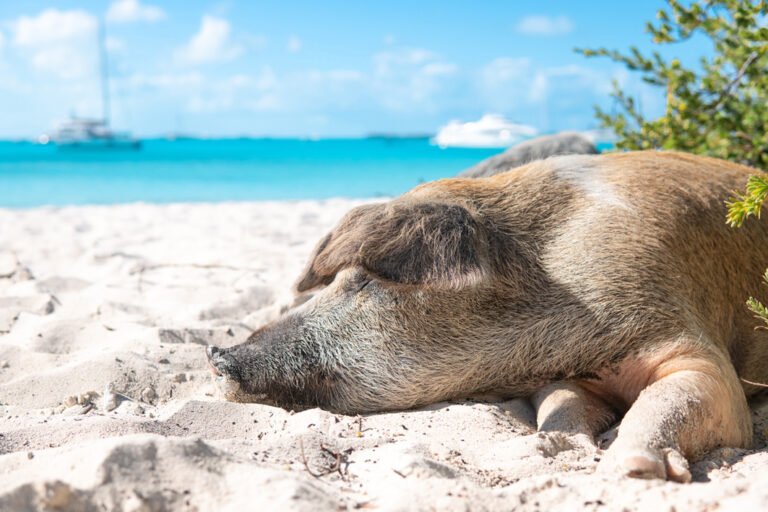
x,y
309,277
426,243
410,243
337,249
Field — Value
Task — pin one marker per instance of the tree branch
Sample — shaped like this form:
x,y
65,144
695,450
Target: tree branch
x,y
728,88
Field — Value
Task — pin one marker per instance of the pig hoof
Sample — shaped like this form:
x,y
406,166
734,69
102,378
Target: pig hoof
x,y
677,467
643,465
648,463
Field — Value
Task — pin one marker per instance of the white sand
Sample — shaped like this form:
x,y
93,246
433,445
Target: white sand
x,y
111,307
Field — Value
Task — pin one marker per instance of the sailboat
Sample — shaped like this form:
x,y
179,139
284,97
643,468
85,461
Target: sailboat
x,y
85,133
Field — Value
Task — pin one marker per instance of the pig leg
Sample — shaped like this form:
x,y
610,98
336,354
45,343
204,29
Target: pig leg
x,y
692,404
569,408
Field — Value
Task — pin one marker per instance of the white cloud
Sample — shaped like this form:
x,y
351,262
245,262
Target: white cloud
x,y
400,79
199,104
294,44
544,25
439,69
409,78
335,75
127,11
539,87
197,92
54,59
2,41
52,26
58,42
212,43
266,103
506,83
505,69
548,97
255,93
266,80
390,39
166,80
390,61
519,80
309,90
568,77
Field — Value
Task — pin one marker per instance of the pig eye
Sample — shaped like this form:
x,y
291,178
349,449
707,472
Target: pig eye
x,y
362,285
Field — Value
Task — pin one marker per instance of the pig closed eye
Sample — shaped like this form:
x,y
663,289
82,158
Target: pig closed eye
x,y
362,285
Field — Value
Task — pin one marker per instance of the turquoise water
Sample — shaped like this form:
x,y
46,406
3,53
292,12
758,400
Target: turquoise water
x,y
224,170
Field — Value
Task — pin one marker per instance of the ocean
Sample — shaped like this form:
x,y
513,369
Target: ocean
x,y
183,170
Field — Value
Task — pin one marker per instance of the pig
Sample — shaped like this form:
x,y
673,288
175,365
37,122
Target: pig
x,y
598,286
563,143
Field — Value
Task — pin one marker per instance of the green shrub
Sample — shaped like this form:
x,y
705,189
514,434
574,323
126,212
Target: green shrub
x,y
720,110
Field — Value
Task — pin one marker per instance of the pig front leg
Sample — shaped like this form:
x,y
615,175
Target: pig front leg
x,y
691,405
569,408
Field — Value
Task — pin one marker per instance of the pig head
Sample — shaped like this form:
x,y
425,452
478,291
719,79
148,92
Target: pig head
x,y
411,305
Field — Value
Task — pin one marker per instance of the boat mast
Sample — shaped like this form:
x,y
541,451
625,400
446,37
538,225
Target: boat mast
x,y
104,73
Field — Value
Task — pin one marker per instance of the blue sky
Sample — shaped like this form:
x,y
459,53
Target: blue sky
x,y
309,68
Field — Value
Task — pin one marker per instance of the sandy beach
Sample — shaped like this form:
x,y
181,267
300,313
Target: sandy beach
x,y
106,402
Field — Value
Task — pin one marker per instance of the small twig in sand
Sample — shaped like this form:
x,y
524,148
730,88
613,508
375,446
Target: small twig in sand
x,y
47,290
360,428
340,462
116,254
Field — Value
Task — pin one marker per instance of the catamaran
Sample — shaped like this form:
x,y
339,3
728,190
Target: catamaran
x,y
92,133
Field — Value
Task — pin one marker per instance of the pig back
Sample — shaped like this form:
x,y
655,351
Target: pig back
x,y
644,246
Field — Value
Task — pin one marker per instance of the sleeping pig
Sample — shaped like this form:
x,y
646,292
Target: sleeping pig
x,y
599,286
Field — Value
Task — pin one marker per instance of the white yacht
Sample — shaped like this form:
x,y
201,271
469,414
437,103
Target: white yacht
x,y
92,133
89,133
491,131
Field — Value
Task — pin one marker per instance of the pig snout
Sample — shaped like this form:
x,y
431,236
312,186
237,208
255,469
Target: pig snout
x,y
217,363
227,377
274,365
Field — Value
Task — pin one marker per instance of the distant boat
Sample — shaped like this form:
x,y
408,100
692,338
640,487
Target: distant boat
x,y
89,134
491,131
83,133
